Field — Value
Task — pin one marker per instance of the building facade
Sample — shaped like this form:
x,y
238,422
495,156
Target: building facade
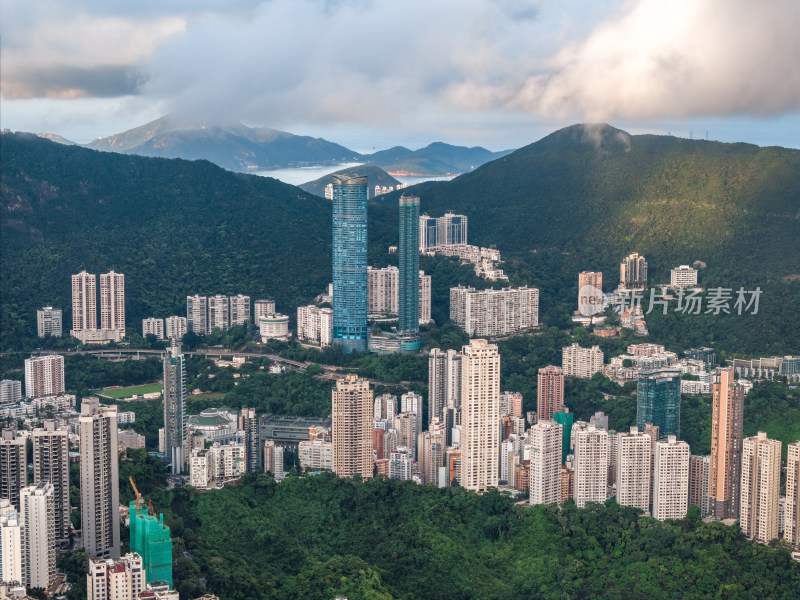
x,y
633,469
581,362
633,272
700,483
44,376
590,463
99,460
352,411
51,464
84,303
791,522
219,315
658,401
727,421
175,328
38,535
492,312
447,230
197,314
760,488
10,542
683,276
480,406
13,466
48,322
239,310
315,324
153,326
550,392
408,290
670,479
544,448
120,579
350,263
112,304
175,408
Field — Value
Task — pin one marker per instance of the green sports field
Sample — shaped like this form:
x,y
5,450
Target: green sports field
x,y
131,391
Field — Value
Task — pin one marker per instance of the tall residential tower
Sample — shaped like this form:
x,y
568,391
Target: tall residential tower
x,y
175,408
409,265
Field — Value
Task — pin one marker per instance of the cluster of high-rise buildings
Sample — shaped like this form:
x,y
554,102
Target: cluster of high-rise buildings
x,y
84,307
205,313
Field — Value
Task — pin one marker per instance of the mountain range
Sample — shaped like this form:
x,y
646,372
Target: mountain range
x,y
375,176
244,149
582,198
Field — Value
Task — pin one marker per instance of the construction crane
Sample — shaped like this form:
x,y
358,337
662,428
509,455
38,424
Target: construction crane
x,y
139,499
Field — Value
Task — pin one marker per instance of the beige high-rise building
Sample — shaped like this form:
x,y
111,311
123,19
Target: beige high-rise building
x,y
407,426
760,488
13,466
671,479
727,420
51,464
791,523
10,542
424,298
544,449
99,462
352,412
431,447
121,579
591,463
480,415
592,278
38,535
84,302
112,302
633,469
590,292
550,392
699,483
44,375
581,362
444,382
633,272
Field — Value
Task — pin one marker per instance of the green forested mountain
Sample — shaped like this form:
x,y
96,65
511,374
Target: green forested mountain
x,y
375,176
436,159
172,227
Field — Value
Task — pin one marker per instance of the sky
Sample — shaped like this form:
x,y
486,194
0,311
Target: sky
x,y
370,74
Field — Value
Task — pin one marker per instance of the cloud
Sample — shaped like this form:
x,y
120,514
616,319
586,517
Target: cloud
x,y
674,59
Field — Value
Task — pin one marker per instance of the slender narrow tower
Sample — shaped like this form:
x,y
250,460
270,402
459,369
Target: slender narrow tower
x,y
409,265
175,408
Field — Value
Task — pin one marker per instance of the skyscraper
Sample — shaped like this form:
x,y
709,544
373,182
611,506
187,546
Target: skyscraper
x,y
444,382
84,302
545,462
480,406
99,480
51,464
175,408
550,392
44,375
38,535
761,483
10,543
727,420
350,263
633,469
112,303
671,479
13,466
791,524
658,401
591,463
633,272
218,313
249,423
240,310
409,265
197,314
699,483
352,412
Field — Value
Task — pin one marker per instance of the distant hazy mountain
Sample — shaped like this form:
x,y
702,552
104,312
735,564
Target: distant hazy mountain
x,y
375,176
53,137
234,147
436,159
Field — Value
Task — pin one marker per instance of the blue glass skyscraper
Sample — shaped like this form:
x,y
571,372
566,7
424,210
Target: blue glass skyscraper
x,y
409,266
658,401
350,263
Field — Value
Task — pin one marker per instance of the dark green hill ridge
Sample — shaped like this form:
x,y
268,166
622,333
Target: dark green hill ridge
x,y
172,227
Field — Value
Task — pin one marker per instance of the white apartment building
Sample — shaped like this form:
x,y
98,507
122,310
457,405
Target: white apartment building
x,y
273,327
316,455
494,312
581,362
239,310
444,382
38,535
633,272
633,469
401,464
448,230
315,324
10,543
197,314
51,464
671,479
791,522
273,459
10,391
218,313
760,488
480,416
48,322
153,326
385,408
120,579
383,293
591,463
262,308
683,276
176,327
544,449
84,303
44,376
218,463
112,304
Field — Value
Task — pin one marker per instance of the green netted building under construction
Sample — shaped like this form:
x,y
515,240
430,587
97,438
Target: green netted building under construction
x,y
150,538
